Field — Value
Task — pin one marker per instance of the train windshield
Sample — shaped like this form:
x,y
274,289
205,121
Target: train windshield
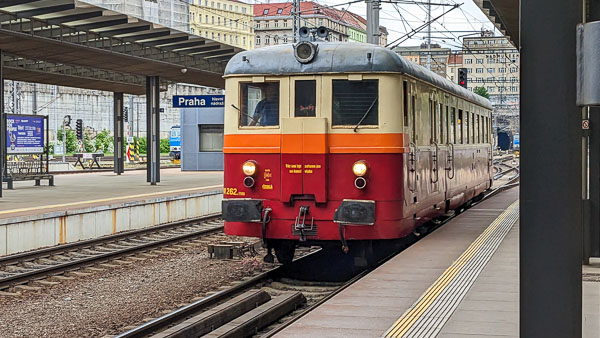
x,y
355,103
260,104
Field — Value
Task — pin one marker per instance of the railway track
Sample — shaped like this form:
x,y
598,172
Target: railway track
x,y
37,266
258,306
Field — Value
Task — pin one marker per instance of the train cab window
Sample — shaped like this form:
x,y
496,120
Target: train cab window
x,y
305,98
259,104
355,103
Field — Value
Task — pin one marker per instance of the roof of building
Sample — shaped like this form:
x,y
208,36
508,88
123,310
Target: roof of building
x,y
310,8
340,57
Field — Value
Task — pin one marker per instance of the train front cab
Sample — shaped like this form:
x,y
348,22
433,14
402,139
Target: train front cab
x,y
349,157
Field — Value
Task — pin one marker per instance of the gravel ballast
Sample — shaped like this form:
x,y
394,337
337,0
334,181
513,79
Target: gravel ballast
x,y
107,301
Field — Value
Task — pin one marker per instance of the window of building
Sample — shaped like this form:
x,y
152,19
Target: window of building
x,y
279,10
490,60
320,22
212,19
480,61
218,36
206,3
257,40
230,8
514,70
243,40
244,10
259,104
206,34
491,89
212,4
502,70
479,70
355,102
275,40
305,98
219,21
469,70
218,5
212,34
211,137
206,19
276,24
491,70
285,23
237,23
225,37
285,39
266,11
231,39
267,42
192,30
236,8
468,61
236,40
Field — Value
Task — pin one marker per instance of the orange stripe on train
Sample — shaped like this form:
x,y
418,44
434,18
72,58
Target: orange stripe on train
x,y
316,143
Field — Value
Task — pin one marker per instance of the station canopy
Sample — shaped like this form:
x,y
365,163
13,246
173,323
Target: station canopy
x,y
78,44
504,14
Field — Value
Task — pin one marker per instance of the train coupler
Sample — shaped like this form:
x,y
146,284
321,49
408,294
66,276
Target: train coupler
x,y
300,223
265,220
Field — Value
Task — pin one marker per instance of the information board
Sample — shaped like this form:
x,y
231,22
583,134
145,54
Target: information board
x,y
24,134
198,101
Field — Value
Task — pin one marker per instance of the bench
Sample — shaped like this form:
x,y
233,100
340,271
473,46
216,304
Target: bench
x,y
28,170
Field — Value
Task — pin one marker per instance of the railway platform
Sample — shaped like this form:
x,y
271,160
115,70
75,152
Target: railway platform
x,y
462,280
89,205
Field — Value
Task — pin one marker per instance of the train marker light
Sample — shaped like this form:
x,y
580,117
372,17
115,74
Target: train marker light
x,y
249,168
359,168
249,181
305,51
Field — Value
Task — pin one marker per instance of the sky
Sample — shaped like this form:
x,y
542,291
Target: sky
x,y
402,17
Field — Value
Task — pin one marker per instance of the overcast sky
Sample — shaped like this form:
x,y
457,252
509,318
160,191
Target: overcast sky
x,y
401,18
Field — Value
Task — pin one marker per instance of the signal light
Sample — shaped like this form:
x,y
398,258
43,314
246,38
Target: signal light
x,y
462,77
79,129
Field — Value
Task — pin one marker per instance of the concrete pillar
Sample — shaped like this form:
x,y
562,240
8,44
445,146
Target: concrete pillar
x,y
119,166
551,171
2,124
153,129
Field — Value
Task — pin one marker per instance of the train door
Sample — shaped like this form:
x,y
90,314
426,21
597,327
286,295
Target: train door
x,y
412,170
304,141
435,148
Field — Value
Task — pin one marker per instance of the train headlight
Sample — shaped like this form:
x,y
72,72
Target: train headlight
x,y
305,51
359,168
249,168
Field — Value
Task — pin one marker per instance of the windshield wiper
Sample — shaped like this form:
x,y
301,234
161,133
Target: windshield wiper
x,y
365,115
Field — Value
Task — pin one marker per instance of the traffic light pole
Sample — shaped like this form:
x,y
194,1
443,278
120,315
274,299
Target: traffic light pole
x,y
119,165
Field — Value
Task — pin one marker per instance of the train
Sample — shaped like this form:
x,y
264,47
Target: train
x,y
346,146
175,143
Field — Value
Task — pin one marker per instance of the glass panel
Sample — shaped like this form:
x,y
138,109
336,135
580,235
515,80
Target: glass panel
x,y
260,104
405,102
306,98
460,126
354,102
452,125
211,137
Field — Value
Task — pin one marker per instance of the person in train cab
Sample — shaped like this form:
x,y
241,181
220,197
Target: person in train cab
x,y
266,112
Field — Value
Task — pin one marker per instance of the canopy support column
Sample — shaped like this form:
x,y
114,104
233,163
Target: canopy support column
x,y
153,129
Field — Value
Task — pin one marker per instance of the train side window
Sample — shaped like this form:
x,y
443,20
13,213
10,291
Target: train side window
x,y
459,128
440,126
447,125
431,123
467,128
405,102
305,98
355,103
472,126
452,130
259,104
414,118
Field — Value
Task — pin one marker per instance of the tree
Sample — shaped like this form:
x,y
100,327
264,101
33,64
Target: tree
x,y
481,91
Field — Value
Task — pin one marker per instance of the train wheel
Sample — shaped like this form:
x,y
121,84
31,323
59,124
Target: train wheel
x,y
284,250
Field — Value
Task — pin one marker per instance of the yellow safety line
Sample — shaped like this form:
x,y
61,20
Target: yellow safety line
x,y
410,317
111,199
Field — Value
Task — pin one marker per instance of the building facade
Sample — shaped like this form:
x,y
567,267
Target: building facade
x,y
419,54
226,21
492,62
274,25
455,61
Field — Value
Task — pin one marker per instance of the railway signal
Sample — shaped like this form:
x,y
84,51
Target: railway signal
x,y
462,77
79,129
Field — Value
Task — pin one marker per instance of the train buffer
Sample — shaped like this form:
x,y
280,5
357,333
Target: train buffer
x,y
93,157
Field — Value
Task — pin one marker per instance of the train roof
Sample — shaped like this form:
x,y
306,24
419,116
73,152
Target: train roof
x,y
341,57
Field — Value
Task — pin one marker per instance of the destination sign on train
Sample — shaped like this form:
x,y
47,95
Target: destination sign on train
x,y
198,101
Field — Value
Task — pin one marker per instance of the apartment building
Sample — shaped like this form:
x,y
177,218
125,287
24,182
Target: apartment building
x,y
273,23
455,61
438,63
226,21
492,62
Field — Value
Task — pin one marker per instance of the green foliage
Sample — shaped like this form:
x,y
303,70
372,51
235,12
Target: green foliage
x,y
88,142
103,141
165,146
71,140
481,91
142,141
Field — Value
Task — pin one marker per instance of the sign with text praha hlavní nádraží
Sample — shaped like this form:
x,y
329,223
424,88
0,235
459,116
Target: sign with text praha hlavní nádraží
x,y
24,134
198,101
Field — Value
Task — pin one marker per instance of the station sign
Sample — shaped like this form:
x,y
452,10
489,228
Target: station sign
x,y
198,101
24,134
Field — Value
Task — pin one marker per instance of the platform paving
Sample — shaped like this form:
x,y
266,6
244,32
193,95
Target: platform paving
x,y
372,305
75,191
